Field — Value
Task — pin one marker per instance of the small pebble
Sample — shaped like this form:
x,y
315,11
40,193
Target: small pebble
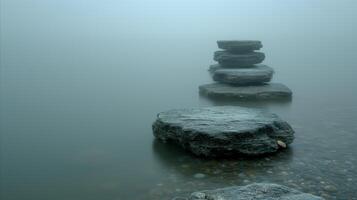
x,y
330,188
284,173
198,195
281,143
199,175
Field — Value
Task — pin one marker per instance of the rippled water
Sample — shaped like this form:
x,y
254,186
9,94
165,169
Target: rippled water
x,y
76,112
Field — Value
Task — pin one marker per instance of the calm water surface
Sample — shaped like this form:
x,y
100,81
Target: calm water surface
x,y
76,112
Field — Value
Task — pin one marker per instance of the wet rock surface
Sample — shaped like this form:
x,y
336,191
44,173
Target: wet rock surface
x,y
256,191
223,131
238,60
238,46
253,92
244,76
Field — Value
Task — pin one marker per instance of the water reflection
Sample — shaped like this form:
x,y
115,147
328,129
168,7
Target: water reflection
x,y
223,101
190,173
174,157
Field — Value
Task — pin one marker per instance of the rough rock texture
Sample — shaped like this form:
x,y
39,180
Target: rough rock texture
x,y
255,191
223,131
238,60
239,46
244,76
256,92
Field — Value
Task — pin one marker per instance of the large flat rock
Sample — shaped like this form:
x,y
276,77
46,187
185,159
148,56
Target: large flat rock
x,y
254,92
255,191
238,60
223,131
244,76
239,46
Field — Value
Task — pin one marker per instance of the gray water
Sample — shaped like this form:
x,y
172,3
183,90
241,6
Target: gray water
x,y
82,81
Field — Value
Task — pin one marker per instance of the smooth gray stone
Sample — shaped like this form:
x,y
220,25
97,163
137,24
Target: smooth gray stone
x,y
239,46
214,67
223,131
255,191
244,76
228,59
254,92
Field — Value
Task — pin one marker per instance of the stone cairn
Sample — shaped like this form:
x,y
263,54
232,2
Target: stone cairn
x,y
240,75
226,131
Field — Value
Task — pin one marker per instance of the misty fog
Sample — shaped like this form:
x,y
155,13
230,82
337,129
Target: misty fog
x,y
81,82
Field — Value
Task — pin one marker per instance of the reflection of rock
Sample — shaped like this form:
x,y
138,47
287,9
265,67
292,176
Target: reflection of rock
x,y
239,46
256,191
267,91
244,76
223,131
238,60
175,158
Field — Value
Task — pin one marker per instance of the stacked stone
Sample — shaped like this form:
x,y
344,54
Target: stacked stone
x,y
240,75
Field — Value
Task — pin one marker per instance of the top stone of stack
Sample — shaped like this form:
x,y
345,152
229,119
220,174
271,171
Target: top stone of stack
x,y
239,46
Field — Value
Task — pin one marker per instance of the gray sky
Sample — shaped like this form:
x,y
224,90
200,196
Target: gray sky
x,y
178,18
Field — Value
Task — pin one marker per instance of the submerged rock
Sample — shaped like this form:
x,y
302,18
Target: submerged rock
x,y
238,60
255,191
244,76
239,46
255,92
223,131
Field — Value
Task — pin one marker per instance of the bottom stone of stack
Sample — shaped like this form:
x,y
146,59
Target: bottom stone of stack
x,y
257,92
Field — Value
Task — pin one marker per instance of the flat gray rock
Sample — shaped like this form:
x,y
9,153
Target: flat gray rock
x,y
214,67
255,92
244,76
255,191
238,46
228,59
223,131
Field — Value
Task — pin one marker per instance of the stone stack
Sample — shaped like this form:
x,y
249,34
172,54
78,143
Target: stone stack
x,y
240,75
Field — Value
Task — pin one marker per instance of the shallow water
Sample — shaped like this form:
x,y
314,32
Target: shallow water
x,y
77,107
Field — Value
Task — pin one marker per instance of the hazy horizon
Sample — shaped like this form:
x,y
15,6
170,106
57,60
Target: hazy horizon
x,y
81,82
